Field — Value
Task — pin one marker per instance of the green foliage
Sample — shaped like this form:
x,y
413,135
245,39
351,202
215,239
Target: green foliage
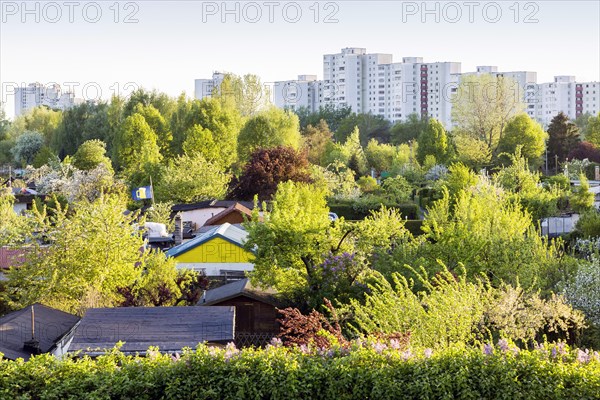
x,y
39,119
187,179
367,184
489,233
83,122
460,177
161,213
296,238
433,141
481,108
396,190
592,133
26,147
92,253
316,140
209,128
582,198
525,186
90,154
370,126
588,224
374,371
453,310
14,229
471,151
44,156
246,94
159,126
380,156
270,128
524,133
136,145
563,135
409,130
331,114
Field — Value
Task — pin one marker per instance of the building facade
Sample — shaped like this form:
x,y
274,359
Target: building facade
x,y
373,83
37,94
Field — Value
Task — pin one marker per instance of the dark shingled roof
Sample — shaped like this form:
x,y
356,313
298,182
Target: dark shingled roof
x,y
50,326
210,204
243,287
169,328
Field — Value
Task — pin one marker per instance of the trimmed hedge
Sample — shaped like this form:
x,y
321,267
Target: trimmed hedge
x,y
364,372
349,212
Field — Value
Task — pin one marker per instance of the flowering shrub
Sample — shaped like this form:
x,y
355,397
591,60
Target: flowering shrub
x,y
367,370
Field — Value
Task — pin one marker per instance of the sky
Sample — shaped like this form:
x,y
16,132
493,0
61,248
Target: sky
x,y
105,47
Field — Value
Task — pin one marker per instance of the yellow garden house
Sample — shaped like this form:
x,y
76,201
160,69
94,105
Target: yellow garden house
x,y
216,252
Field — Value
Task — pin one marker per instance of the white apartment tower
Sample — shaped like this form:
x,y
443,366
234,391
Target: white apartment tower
x,y
564,95
37,94
305,92
204,87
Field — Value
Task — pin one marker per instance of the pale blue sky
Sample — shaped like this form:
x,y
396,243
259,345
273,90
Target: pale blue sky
x,y
171,45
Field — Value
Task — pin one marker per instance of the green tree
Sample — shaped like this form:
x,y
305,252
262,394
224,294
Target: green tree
x,y
187,179
409,130
44,156
459,178
592,130
26,147
82,122
210,129
380,156
270,128
93,251
433,141
135,146
331,114
316,140
522,131
370,126
246,94
14,229
90,154
159,125
39,119
582,198
296,245
483,105
563,136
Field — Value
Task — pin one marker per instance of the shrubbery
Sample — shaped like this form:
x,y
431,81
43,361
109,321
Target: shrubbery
x,y
363,370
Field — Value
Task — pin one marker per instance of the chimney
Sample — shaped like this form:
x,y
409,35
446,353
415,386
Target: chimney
x,y
32,346
178,230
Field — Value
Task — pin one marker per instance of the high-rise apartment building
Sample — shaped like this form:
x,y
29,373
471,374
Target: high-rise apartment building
x,y
37,94
373,83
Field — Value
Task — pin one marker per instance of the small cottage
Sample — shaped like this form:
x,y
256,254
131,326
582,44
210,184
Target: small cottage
x,y
217,252
256,310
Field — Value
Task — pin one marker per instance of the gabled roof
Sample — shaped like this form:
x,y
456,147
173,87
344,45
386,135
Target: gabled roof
x,y
50,325
226,231
169,328
210,204
237,207
243,287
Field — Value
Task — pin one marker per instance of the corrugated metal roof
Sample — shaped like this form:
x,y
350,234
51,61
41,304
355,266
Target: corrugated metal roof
x,y
169,328
226,231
